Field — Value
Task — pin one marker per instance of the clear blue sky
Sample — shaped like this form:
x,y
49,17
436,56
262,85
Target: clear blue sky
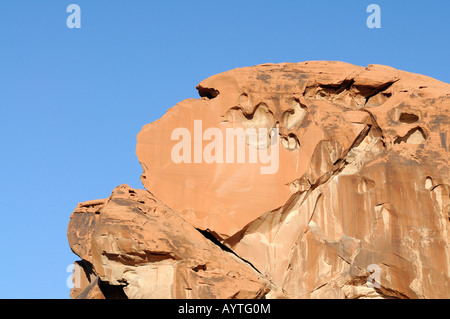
x,y
73,100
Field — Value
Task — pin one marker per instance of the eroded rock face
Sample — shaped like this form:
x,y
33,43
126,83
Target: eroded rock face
x,y
360,193
139,248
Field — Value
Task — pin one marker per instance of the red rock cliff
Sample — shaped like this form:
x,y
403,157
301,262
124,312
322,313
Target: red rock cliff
x,y
355,203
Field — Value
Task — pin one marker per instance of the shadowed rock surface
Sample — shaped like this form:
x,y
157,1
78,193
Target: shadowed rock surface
x,y
362,184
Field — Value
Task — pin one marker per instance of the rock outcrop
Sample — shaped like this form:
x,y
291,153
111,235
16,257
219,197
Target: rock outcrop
x,y
140,248
350,200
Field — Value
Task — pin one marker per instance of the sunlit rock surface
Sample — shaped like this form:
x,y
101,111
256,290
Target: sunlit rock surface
x,y
356,204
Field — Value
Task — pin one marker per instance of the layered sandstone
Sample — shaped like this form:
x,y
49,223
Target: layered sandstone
x,y
361,181
139,248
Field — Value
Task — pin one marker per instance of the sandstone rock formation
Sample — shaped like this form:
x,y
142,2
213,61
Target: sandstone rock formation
x,y
357,207
140,248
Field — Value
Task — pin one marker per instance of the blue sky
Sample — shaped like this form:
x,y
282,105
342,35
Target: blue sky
x,y
73,100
